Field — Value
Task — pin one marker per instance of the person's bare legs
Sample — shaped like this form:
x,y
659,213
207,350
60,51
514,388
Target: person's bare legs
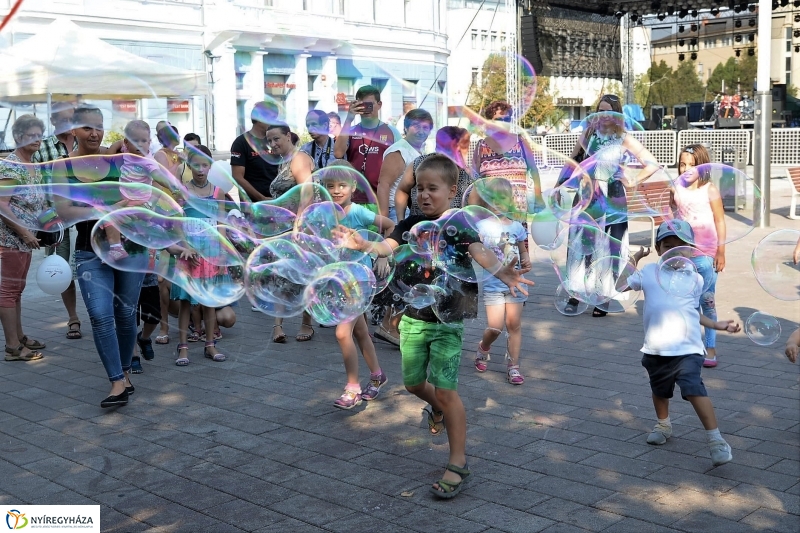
x,y
514,329
226,317
705,411
183,327
70,300
147,331
210,322
305,326
10,317
344,336
164,287
495,317
361,334
391,319
456,418
662,407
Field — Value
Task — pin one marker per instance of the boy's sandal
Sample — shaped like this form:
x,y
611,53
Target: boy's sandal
x,y
15,354
162,339
192,336
182,361
303,337
74,333
597,312
279,338
32,344
434,426
448,489
217,357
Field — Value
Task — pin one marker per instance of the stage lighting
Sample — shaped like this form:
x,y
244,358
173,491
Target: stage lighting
x,y
796,33
694,13
661,16
738,38
738,53
683,13
693,42
671,10
680,29
737,23
714,11
634,17
797,48
797,18
693,56
694,27
681,57
681,42
752,23
796,3
619,14
751,37
737,9
751,8
751,51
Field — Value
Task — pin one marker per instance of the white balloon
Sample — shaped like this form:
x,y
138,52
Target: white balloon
x,y
544,230
221,175
54,275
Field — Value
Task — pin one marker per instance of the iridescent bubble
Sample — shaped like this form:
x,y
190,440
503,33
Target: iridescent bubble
x,y
678,276
340,292
607,124
451,231
276,276
268,220
421,295
455,257
774,266
423,237
382,268
762,329
545,230
146,228
453,302
319,219
340,180
717,184
410,267
563,305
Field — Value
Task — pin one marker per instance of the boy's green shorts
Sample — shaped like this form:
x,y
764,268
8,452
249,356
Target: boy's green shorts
x,y
425,345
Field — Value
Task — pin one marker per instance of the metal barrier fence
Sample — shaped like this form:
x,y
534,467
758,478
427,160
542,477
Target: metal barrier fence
x,y
665,145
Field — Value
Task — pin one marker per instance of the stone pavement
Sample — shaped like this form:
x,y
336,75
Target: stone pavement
x,y
254,444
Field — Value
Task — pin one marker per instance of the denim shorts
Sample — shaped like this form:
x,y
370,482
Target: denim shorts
x,y
502,298
665,371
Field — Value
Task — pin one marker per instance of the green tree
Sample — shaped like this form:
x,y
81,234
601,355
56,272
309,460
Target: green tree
x,y
736,72
685,85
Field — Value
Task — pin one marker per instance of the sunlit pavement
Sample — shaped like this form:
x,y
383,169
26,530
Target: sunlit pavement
x,y
255,444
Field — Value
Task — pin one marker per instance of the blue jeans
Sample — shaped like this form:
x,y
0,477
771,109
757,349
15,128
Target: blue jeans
x,y
111,297
708,305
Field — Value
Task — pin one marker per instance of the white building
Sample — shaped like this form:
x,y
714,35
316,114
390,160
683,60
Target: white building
x,y
306,54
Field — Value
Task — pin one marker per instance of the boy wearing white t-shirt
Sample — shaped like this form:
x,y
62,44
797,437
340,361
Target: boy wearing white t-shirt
x,y
673,344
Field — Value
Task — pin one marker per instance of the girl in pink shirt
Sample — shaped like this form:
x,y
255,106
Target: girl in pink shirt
x,y
697,201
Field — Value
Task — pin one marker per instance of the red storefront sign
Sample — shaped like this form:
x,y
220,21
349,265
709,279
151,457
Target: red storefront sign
x,y
177,106
341,101
279,85
125,106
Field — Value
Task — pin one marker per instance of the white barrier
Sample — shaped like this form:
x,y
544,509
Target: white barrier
x,y
661,144
785,146
718,140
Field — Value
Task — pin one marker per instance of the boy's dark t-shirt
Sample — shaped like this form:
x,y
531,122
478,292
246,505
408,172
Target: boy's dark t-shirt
x,y
249,152
463,299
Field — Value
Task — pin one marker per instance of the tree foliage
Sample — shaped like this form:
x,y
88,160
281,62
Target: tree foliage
x,y
735,72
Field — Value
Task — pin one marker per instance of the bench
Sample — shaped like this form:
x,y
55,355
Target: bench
x,y
647,201
794,175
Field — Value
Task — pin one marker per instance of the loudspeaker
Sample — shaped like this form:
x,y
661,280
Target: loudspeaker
x,y
657,114
680,110
725,123
681,123
695,111
649,125
778,100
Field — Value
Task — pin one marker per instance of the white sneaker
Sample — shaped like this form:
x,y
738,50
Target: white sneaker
x,y
659,435
720,452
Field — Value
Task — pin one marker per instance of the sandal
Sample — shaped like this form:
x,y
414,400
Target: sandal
x,y
182,361
572,305
597,312
217,335
74,333
217,357
514,376
303,337
15,354
434,426
448,489
32,344
192,336
279,338
162,339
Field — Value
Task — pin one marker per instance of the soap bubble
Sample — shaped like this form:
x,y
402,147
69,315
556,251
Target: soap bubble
x,y
339,178
738,193
421,295
383,270
774,267
607,124
410,267
606,270
678,276
453,300
221,175
423,237
268,220
566,303
276,276
454,256
762,329
545,230
340,292
319,219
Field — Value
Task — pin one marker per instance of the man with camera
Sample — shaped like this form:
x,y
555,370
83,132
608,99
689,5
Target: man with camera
x,y
364,144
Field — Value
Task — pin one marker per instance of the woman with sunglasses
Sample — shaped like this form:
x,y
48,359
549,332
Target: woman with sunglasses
x,y
602,151
503,154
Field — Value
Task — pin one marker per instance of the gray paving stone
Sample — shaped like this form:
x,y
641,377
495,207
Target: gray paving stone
x,y
310,510
767,519
502,518
705,522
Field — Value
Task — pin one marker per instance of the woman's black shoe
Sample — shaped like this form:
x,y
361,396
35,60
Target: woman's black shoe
x,y
116,401
130,390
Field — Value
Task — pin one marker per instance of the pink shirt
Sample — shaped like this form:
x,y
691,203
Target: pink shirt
x,y
694,206
137,169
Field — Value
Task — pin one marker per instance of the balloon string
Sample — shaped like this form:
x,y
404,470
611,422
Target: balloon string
x,y
10,15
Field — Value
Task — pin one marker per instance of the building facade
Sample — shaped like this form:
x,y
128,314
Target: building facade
x,y
304,54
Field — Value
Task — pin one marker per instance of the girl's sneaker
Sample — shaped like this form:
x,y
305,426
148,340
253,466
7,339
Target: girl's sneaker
x,y
374,387
481,358
348,399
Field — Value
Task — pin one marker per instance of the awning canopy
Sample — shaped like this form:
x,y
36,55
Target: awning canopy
x,y
65,61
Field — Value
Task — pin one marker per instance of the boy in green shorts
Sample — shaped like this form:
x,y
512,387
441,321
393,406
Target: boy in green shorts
x,y
431,351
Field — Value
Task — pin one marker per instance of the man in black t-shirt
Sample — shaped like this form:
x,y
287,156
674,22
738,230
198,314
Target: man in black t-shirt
x,y
249,154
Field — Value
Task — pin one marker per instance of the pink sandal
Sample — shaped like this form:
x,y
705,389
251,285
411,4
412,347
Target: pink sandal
x,y
514,376
217,357
481,358
182,361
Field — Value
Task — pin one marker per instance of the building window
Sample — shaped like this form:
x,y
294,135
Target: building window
x,y
494,40
341,7
268,3
405,12
305,5
788,40
240,125
311,81
474,76
346,86
710,43
484,39
312,104
374,10
409,95
239,81
502,40
474,39
726,41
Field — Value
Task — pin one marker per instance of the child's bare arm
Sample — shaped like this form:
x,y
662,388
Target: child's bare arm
x,y
722,325
792,345
508,274
622,281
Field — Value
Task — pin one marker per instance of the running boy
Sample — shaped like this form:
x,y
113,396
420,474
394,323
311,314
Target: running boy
x,y
430,350
673,346
340,182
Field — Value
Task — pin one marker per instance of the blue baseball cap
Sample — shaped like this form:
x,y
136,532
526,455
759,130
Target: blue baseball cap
x,y
677,228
